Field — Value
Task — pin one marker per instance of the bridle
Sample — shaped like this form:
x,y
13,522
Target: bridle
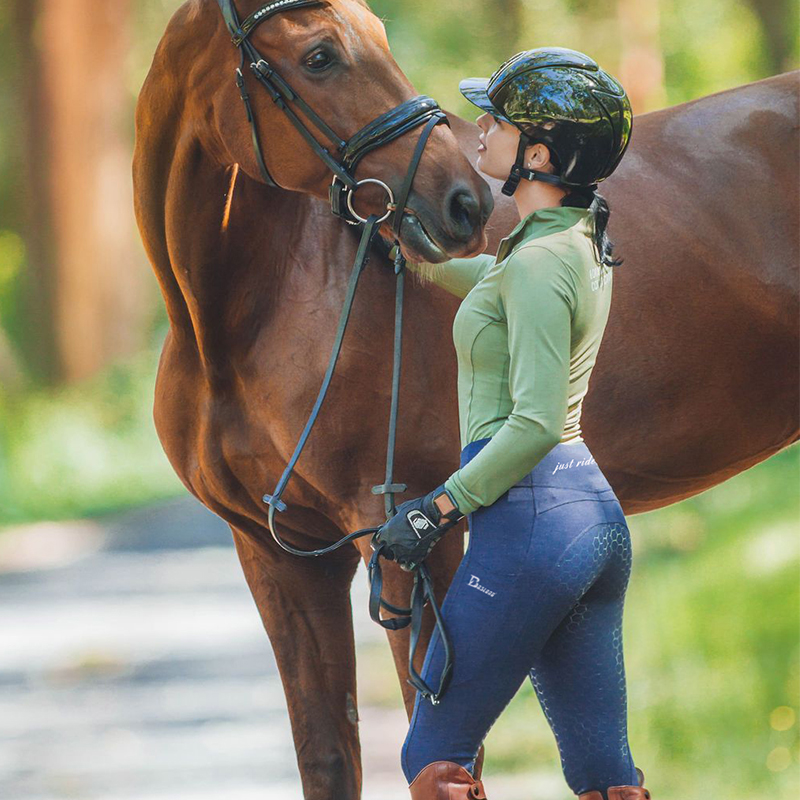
x,y
418,111
380,131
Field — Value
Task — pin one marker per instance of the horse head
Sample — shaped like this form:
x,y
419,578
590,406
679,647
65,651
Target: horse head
x,y
328,67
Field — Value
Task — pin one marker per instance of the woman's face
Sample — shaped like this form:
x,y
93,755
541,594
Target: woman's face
x,y
497,151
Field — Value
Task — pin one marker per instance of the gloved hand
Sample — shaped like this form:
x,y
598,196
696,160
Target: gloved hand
x,y
412,532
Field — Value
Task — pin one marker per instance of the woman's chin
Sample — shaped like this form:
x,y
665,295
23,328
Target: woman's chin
x,y
481,165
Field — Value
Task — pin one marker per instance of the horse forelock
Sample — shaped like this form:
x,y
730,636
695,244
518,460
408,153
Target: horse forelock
x,y
194,8
360,29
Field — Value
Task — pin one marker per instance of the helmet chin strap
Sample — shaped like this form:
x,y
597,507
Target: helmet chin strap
x,y
518,171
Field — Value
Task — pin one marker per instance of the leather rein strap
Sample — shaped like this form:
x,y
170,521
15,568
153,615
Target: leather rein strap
x,y
412,113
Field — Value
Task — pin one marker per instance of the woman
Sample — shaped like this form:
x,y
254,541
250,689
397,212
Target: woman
x,y
540,590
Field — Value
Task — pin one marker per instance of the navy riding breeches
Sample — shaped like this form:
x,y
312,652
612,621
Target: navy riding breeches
x,y
538,594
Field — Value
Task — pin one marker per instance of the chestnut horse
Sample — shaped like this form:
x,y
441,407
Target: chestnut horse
x,y
697,378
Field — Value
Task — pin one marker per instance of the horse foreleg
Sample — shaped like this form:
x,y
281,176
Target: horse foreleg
x,y
304,604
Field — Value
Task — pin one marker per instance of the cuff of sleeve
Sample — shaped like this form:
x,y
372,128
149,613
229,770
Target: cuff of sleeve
x,y
465,502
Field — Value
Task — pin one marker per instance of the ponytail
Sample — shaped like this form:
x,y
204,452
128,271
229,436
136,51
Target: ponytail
x,y
589,197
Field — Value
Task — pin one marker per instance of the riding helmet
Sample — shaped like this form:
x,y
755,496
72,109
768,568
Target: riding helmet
x,y
563,99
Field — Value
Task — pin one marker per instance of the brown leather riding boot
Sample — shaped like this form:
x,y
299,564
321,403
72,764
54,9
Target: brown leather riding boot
x,y
621,792
446,780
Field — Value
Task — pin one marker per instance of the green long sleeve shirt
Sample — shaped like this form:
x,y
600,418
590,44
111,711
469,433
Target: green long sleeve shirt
x,y
526,337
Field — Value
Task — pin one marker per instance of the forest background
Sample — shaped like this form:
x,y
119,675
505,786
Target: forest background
x,y
712,617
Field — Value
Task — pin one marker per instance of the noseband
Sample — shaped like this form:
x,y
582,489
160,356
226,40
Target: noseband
x,y
418,111
380,131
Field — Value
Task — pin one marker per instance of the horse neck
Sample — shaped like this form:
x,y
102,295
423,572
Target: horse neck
x,y
235,244
221,244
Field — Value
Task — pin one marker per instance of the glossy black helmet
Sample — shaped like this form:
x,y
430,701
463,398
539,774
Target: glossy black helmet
x,y
563,99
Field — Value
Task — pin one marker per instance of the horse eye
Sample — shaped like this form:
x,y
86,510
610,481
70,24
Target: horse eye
x,y
318,61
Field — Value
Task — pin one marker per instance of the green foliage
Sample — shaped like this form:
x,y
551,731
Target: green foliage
x,y
707,47
83,449
12,262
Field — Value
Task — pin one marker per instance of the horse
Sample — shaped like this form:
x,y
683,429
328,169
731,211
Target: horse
x,y
253,277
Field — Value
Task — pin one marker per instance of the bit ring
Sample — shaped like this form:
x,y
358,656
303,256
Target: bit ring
x,y
390,206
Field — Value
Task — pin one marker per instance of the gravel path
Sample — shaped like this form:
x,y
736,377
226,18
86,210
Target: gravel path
x,y
133,666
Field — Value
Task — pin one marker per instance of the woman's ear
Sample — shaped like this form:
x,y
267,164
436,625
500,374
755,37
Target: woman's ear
x,y
537,157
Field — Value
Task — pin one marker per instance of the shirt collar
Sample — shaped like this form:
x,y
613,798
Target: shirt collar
x,y
543,222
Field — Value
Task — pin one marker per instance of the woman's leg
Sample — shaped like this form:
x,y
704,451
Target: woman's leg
x,y
487,672
579,675
483,608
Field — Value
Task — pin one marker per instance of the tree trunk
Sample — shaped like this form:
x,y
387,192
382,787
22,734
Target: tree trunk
x,y
507,24
779,23
37,337
89,288
641,69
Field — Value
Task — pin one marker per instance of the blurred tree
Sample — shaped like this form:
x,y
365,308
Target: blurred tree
x,y
506,26
86,291
641,69
34,319
9,369
779,23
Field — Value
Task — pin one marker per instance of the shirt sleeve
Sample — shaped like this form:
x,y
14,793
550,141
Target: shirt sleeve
x,y
458,275
537,297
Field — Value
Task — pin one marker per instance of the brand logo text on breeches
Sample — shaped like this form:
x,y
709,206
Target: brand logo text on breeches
x,y
573,463
474,582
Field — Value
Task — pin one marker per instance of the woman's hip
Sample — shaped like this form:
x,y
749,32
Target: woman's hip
x,y
565,466
538,517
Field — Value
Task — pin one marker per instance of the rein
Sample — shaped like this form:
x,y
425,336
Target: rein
x,y
418,111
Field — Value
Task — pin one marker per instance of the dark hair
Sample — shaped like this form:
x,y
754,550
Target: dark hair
x,y
589,197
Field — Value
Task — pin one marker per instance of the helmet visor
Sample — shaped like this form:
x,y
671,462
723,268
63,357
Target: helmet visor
x,y
474,89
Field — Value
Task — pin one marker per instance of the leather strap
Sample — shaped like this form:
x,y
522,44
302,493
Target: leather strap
x,y
389,126
375,574
421,594
518,171
243,93
240,32
264,13
274,501
405,190
418,600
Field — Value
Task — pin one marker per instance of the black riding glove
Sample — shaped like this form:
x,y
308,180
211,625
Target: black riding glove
x,y
417,526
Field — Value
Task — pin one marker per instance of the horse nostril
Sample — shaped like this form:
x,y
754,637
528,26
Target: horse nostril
x,y
463,211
